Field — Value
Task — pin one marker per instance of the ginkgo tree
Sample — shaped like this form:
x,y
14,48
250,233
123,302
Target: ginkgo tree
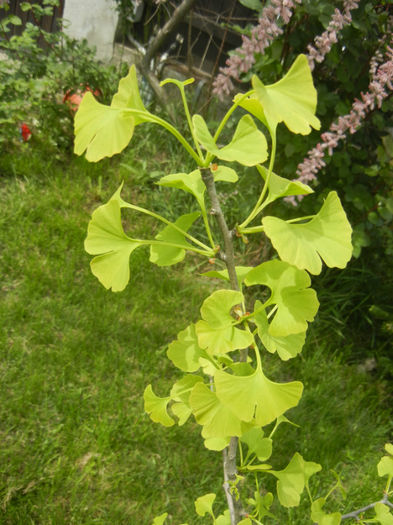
x,y
225,387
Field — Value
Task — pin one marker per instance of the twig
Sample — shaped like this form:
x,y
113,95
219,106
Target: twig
x,y
355,513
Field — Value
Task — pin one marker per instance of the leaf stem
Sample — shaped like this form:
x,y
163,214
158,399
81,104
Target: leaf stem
x,y
206,249
229,113
173,245
259,204
171,129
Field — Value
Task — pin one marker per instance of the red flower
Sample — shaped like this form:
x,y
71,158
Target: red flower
x,y
25,132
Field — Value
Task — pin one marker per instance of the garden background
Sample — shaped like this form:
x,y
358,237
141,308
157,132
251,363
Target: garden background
x,y
76,444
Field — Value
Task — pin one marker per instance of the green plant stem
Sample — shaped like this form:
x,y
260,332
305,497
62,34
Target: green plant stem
x,y
208,229
290,221
187,112
210,156
259,204
229,113
149,117
173,245
206,250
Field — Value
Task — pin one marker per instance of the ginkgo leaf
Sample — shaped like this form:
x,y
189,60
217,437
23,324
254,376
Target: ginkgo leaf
x,y
281,187
385,466
216,444
189,182
102,131
182,389
180,393
185,352
286,347
216,332
182,412
291,100
204,504
248,145
292,479
258,444
383,514
326,236
106,238
156,407
256,396
225,174
389,448
296,303
217,419
223,519
159,520
319,516
241,272
169,255
128,96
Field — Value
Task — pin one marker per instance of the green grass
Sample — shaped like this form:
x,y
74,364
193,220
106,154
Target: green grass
x,y
76,446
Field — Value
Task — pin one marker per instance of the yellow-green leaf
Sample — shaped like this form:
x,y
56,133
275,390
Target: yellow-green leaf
x,y
326,236
216,331
296,303
292,479
204,504
279,187
185,352
156,407
256,396
168,255
319,516
248,145
286,347
217,419
102,131
291,100
106,239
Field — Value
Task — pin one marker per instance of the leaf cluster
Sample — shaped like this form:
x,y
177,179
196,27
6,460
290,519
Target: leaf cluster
x,y
38,70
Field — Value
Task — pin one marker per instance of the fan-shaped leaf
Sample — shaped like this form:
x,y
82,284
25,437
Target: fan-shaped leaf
x,y
102,131
168,255
256,396
383,514
291,100
218,420
105,236
292,479
280,187
248,145
326,236
257,444
320,517
156,407
204,504
216,333
296,303
189,182
286,347
185,352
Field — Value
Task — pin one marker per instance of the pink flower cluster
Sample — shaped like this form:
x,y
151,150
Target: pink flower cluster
x,y
323,43
380,85
262,35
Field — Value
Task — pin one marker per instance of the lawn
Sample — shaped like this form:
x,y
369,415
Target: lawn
x,y
77,446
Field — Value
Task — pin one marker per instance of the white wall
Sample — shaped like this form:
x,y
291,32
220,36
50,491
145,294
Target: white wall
x,y
94,20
